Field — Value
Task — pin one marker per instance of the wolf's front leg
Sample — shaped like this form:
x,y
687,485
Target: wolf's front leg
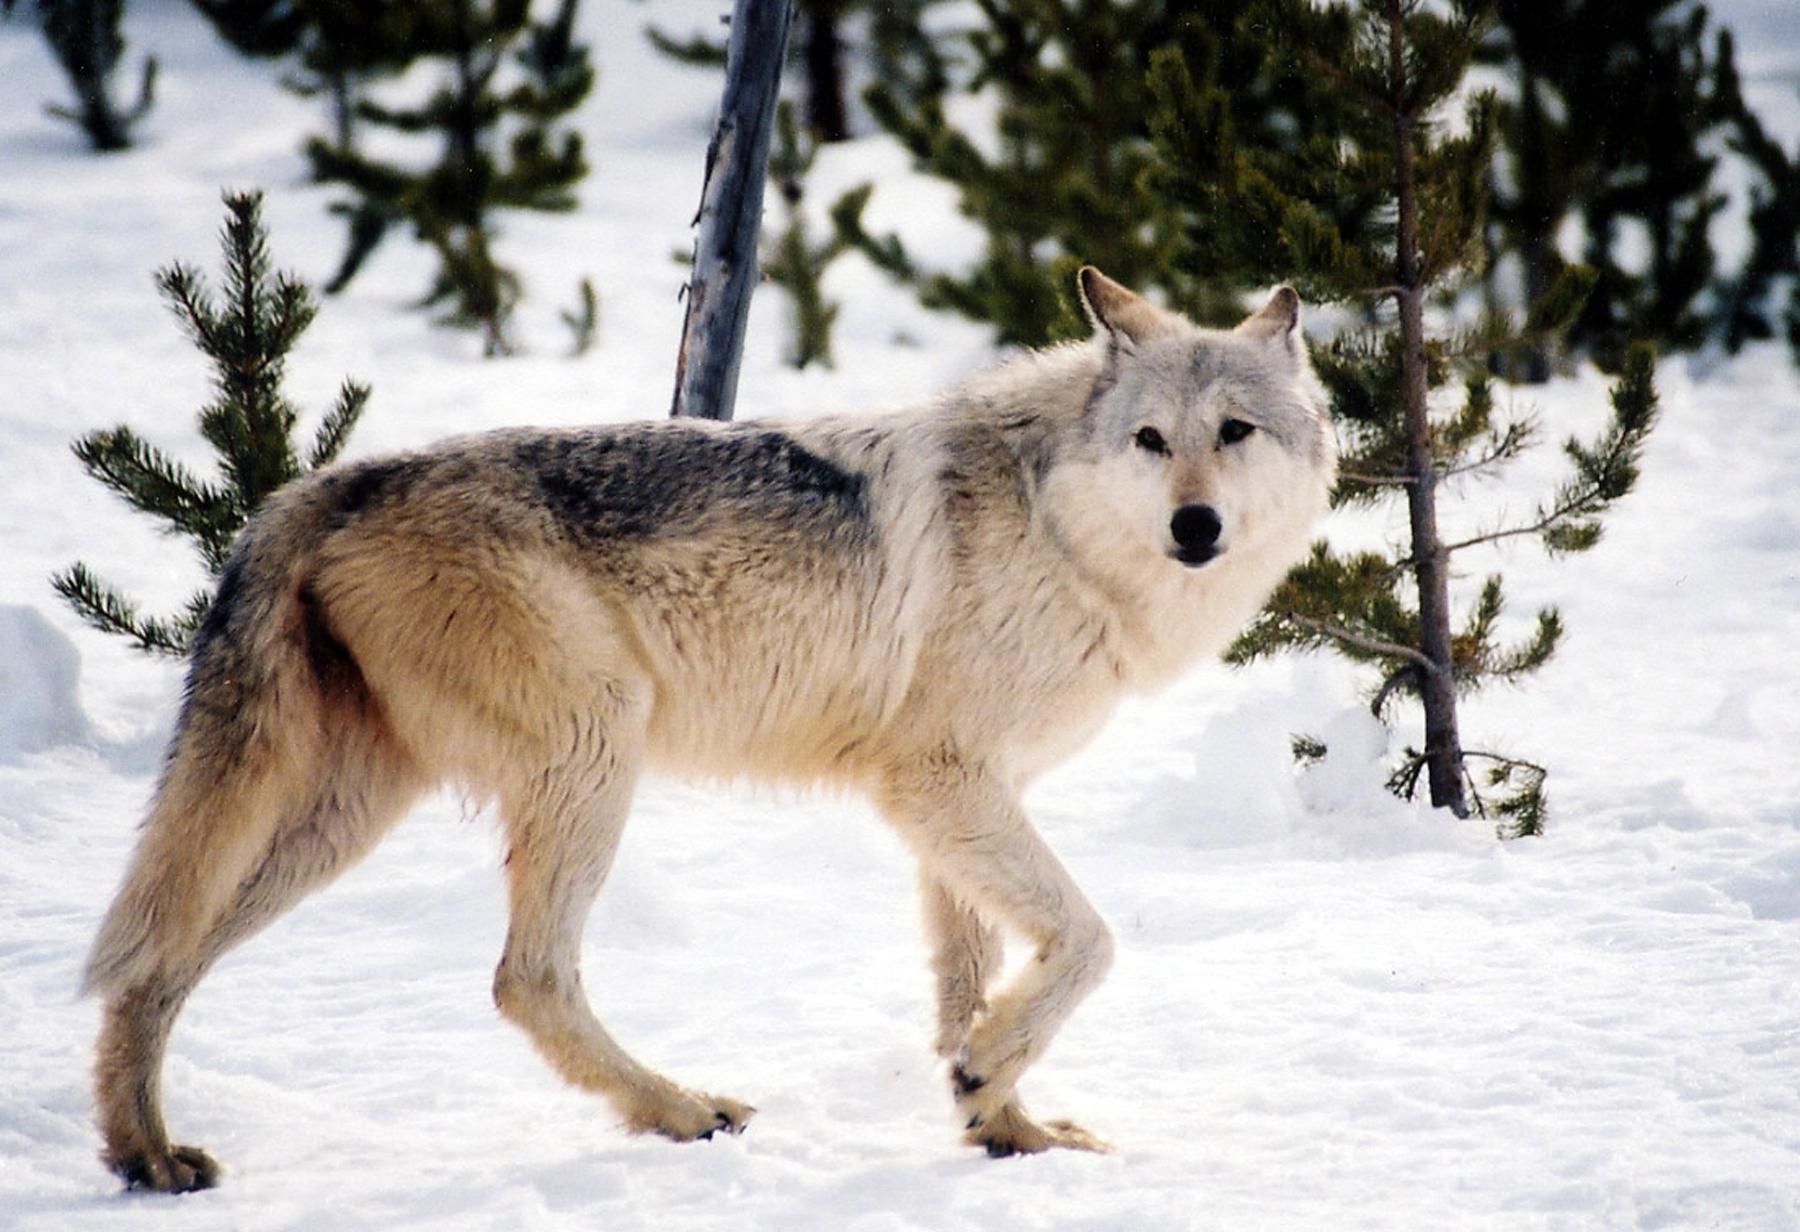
x,y
966,953
975,844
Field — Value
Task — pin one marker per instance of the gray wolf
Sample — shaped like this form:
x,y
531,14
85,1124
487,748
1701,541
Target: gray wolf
x,y
930,606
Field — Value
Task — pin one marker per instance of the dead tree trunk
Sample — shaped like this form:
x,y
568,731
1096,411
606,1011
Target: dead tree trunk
x,y
725,270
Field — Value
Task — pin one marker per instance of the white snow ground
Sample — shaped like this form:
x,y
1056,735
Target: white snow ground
x,y
1330,1011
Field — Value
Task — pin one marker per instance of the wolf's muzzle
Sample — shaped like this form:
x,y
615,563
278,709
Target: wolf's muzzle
x,y
1195,529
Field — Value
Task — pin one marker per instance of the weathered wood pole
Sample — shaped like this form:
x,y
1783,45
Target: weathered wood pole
x,y
725,270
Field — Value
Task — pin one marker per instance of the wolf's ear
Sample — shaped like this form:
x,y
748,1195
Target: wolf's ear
x,y
1118,310
1276,321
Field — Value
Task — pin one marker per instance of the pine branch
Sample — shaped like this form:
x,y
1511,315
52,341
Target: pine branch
x,y
1377,481
697,50
1506,444
185,289
152,482
1529,656
1361,641
110,612
335,429
1406,677
146,98
1605,471
886,253
1525,811
584,322
1546,519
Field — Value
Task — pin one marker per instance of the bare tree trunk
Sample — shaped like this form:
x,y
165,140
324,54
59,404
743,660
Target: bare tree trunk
x,y
1537,241
725,272
1431,564
823,56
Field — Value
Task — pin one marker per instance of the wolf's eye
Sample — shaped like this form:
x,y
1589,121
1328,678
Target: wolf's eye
x,y
1234,430
1151,439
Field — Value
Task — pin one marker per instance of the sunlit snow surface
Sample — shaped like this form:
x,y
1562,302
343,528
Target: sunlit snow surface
x,y
1330,1011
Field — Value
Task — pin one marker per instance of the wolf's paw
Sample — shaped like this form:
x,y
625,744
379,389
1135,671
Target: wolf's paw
x,y
685,1116
982,1084
176,1169
1010,1132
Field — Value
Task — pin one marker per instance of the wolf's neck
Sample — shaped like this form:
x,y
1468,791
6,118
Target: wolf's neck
x,y
1053,383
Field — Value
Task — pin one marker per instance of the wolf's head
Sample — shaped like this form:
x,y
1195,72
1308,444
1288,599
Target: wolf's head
x,y
1199,445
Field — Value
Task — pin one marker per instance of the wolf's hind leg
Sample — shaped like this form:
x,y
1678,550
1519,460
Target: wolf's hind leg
x,y
966,953
563,828
972,838
128,1085
366,790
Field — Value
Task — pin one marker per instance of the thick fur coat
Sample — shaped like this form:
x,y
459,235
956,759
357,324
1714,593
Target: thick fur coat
x,y
930,606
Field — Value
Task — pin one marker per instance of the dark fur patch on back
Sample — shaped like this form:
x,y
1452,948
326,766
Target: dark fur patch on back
x,y
635,484
362,485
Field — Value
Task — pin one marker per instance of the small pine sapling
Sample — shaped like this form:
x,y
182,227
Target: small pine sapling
x,y
1391,207
84,35
249,422
336,49
450,204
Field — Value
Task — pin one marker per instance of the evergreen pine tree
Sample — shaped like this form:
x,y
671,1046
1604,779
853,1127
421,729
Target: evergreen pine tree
x,y
84,35
1067,185
451,203
822,50
1391,207
1615,106
1774,220
247,335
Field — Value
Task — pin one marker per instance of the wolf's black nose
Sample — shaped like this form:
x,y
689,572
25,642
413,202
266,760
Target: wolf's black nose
x,y
1196,528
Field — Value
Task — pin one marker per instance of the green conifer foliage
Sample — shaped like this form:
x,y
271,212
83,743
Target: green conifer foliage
x,y
501,147
902,52
1774,220
247,335
1072,180
338,47
822,54
84,35
584,321
1388,208
797,264
1615,106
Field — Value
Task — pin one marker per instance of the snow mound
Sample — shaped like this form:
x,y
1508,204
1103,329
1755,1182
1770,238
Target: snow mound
x,y
1242,792
39,671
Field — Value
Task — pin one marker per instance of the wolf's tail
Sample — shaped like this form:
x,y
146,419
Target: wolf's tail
x,y
246,753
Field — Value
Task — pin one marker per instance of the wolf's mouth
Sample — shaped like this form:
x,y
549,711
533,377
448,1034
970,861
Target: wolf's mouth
x,y
1193,558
